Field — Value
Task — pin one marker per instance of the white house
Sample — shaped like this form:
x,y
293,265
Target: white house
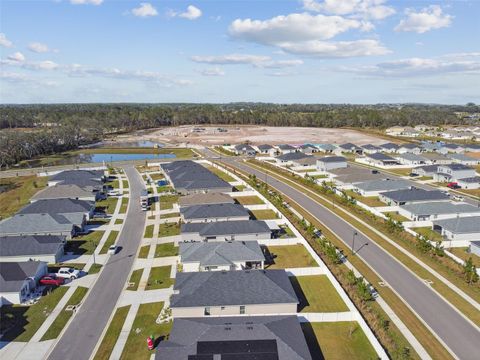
x,y
459,231
19,279
437,210
469,183
453,172
331,162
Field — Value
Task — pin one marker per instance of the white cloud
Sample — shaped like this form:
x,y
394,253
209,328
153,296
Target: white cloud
x,y
336,49
427,19
292,27
4,41
371,9
215,71
192,13
420,67
86,2
145,10
38,47
259,61
13,77
16,57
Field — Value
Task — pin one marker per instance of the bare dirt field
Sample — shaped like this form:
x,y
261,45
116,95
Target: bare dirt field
x,y
215,135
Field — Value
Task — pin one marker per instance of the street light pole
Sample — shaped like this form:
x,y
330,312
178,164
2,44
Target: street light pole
x,y
94,247
353,242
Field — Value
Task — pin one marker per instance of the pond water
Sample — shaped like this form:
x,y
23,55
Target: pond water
x,y
128,144
91,158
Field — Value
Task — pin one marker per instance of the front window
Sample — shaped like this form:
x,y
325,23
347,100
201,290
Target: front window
x,y
242,309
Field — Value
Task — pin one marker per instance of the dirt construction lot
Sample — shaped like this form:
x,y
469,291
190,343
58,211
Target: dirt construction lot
x,y
213,135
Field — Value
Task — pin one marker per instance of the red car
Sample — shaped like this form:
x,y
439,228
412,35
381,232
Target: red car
x,y
51,280
453,185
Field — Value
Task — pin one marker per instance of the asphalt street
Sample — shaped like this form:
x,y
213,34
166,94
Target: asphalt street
x,y
83,333
456,332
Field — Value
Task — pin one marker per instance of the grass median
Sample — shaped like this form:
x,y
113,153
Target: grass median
x,y
109,340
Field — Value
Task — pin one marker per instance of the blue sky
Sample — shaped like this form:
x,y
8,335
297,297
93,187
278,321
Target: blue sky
x,y
299,51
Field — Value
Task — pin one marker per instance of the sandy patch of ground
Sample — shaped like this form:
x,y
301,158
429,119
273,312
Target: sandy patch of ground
x,y
212,135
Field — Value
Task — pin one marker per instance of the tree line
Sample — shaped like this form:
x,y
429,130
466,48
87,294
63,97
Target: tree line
x,y
27,131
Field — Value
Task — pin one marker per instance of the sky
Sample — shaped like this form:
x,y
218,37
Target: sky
x,y
295,51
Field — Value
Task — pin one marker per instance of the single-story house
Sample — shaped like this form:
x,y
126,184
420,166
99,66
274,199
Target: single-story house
x,y
70,191
475,247
453,148
306,161
328,163
227,293
375,187
350,148
285,148
238,337
459,229
464,159
74,176
308,149
370,149
326,148
244,149
290,157
355,178
469,183
389,147
48,248
213,212
409,148
411,159
426,170
205,199
221,256
19,279
84,209
453,172
379,159
437,210
412,195
40,224
189,177
436,158
265,149
243,230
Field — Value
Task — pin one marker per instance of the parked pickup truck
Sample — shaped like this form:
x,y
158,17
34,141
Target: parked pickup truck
x,y
453,185
68,273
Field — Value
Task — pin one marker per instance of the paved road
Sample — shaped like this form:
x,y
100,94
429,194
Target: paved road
x,y
81,336
456,332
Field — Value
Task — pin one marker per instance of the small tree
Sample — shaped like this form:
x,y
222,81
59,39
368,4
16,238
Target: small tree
x,y
351,278
470,272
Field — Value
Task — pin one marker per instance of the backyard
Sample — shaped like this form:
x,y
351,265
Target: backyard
x,y
289,256
16,192
428,233
266,214
221,174
249,200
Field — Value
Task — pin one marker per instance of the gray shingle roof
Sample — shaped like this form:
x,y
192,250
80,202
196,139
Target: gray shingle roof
x,y
220,253
415,194
63,191
213,211
72,175
244,147
380,156
189,175
187,333
461,157
411,157
332,159
349,146
370,147
389,146
57,206
226,227
286,147
202,199
471,180
442,207
13,274
36,223
457,167
462,225
293,156
264,147
30,245
224,288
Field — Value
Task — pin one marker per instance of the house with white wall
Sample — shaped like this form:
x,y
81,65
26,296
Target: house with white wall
x,y
19,279
459,231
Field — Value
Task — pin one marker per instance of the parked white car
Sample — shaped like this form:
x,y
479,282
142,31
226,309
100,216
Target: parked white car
x,y
112,250
113,193
68,273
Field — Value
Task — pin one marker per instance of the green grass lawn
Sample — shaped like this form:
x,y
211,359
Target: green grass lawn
x,y
428,233
135,279
239,187
169,229
396,216
401,172
143,253
178,152
164,188
221,174
94,269
18,191
84,244
372,201
287,232
148,231
424,178
289,256
167,201
463,254
113,331
125,184
124,206
159,278
317,294
264,214
249,200
338,341
111,239
470,192
61,320
168,216
118,221
23,322
157,176
136,345
108,205
168,249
